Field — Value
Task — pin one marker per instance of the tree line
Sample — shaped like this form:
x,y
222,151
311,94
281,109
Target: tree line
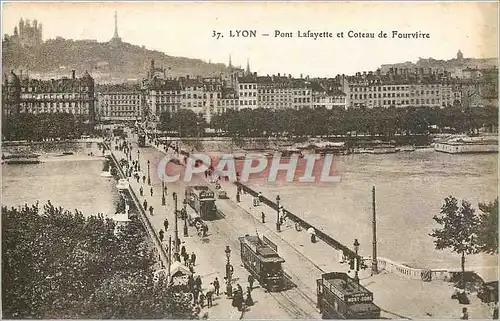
x,y
61,265
37,127
338,121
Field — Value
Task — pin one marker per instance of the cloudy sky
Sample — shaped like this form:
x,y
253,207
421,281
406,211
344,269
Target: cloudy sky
x,y
186,29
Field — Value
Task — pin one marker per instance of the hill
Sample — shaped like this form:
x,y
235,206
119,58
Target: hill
x,y
108,62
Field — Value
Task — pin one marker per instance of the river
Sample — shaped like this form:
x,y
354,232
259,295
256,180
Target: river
x,y
72,181
410,190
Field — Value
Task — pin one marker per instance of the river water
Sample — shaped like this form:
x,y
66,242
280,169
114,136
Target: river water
x,y
72,181
410,190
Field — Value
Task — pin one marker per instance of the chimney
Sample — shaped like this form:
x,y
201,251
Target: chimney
x,y
73,74
279,75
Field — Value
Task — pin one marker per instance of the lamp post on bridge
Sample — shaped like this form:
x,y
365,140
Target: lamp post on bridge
x,y
229,272
356,261
163,201
184,213
149,176
176,236
138,162
278,227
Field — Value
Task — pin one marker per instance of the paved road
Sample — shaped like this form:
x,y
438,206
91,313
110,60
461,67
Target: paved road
x,y
211,259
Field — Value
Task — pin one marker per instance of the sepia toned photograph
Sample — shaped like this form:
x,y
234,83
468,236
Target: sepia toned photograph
x,y
258,160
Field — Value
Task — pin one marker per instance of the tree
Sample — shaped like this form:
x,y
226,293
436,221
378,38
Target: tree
x,y
58,264
458,231
488,227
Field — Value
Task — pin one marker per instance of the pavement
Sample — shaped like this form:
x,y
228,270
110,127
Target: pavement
x,y
305,262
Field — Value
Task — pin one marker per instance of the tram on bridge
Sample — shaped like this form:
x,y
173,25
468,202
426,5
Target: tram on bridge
x,y
142,140
341,297
202,200
260,257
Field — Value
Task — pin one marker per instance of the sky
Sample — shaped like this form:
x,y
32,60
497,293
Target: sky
x,y
186,29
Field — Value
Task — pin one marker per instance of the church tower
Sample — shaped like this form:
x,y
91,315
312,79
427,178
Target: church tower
x,y
116,37
460,55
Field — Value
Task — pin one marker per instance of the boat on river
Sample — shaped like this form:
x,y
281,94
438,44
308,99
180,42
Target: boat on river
x,y
468,145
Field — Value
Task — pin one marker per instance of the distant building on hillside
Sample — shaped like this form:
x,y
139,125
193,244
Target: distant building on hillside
x,y
454,66
27,34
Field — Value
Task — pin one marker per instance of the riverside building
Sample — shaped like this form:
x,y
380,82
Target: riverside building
x,y
122,102
70,95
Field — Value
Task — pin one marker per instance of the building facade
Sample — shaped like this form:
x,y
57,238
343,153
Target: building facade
x,y
70,95
119,103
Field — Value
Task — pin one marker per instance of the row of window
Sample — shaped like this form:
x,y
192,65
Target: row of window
x,y
389,88
364,96
34,89
55,104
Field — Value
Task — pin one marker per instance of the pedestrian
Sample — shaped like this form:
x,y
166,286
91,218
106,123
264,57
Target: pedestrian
x,y
249,300
465,314
202,299
141,191
495,311
183,250
263,217
190,282
193,258
151,210
210,294
145,204
161,235
237,197
250,281
151,191
255,201
165,224
197,282
186,259
143,179
216,286
260,197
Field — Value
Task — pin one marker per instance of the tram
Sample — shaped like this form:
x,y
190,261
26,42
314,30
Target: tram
x,y
260,257
142,140
341,297
202,200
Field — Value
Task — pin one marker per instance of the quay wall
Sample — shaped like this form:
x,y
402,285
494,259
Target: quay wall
x,y
228,144
143,215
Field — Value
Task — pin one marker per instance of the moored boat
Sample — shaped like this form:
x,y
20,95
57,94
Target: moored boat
x,y
467,145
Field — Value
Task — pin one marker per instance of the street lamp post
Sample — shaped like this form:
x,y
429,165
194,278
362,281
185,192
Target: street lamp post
x,y
184,213
149,176
163,201
138,162
176,236
229,272
356,261
278,227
